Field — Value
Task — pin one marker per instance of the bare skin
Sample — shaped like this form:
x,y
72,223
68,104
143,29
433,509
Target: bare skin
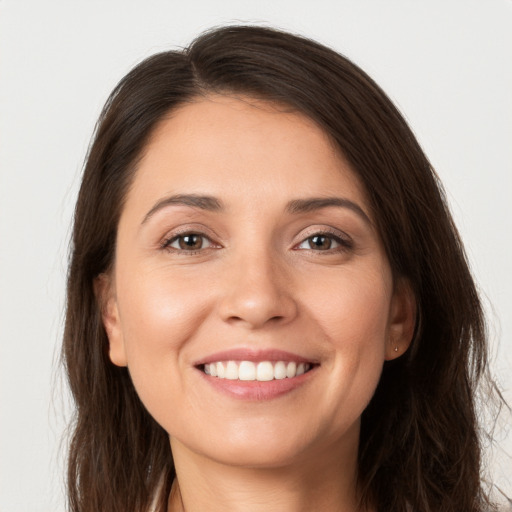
x,y
246,231
279,489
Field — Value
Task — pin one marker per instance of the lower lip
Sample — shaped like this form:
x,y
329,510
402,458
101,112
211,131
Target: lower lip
x,y
257,390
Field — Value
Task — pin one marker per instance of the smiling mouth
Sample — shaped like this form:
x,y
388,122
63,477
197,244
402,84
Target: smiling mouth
x,y
263,371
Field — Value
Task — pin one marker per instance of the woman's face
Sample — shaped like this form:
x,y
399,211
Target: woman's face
x,y
246,250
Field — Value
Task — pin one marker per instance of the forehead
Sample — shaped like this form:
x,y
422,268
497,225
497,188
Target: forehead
x,y
235,147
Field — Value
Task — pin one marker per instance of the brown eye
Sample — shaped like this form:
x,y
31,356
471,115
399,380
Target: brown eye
x,y
188,242
326,242
320,242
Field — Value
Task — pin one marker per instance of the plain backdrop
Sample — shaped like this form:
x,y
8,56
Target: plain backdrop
x,y
447,64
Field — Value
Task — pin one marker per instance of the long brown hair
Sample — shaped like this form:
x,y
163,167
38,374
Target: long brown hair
x,y
419,443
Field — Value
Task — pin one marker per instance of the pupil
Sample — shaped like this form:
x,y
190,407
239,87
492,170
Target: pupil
x,y
320,242
191,242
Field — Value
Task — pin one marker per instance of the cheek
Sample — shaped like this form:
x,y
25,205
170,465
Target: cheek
x,y
353,319
159,315
353,310
159,310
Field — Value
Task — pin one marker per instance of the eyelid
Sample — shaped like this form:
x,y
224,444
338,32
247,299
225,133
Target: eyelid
x,y
344,240
174,239
176,233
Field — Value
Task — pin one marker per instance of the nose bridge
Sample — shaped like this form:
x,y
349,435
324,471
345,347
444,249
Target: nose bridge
x,y
256,291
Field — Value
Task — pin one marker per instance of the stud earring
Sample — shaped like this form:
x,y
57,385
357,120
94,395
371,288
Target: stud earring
x,y
396,349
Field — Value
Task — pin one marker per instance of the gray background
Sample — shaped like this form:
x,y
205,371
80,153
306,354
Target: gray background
x,y
446,63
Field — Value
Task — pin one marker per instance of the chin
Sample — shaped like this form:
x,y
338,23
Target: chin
x,y
269,444
271,455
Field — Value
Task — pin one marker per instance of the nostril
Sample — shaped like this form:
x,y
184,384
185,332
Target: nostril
x,y
254,305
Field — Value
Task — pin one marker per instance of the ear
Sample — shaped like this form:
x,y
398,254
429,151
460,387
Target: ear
x,y
402,319
104,289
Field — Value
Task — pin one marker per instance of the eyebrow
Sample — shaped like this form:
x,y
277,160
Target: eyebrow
x,y
213,204
317,203
196,201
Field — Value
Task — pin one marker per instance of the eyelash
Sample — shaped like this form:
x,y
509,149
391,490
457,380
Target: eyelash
x,y
344,243
166,243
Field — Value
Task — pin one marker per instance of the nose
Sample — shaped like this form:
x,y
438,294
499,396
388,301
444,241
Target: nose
x,y
256,292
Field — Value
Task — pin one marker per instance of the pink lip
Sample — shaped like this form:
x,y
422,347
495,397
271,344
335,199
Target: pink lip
x,y
243,354
255,390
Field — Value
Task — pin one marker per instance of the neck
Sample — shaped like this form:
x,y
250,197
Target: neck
x,y
328,483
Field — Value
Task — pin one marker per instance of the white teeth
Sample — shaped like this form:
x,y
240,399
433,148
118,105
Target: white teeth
x,y
221,372
280,370
247,370
232,371
263,371
291,369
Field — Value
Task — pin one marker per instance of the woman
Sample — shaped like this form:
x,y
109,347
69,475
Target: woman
x,y
269,307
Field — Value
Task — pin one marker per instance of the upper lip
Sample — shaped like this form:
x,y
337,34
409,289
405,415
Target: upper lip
x,y
248,354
